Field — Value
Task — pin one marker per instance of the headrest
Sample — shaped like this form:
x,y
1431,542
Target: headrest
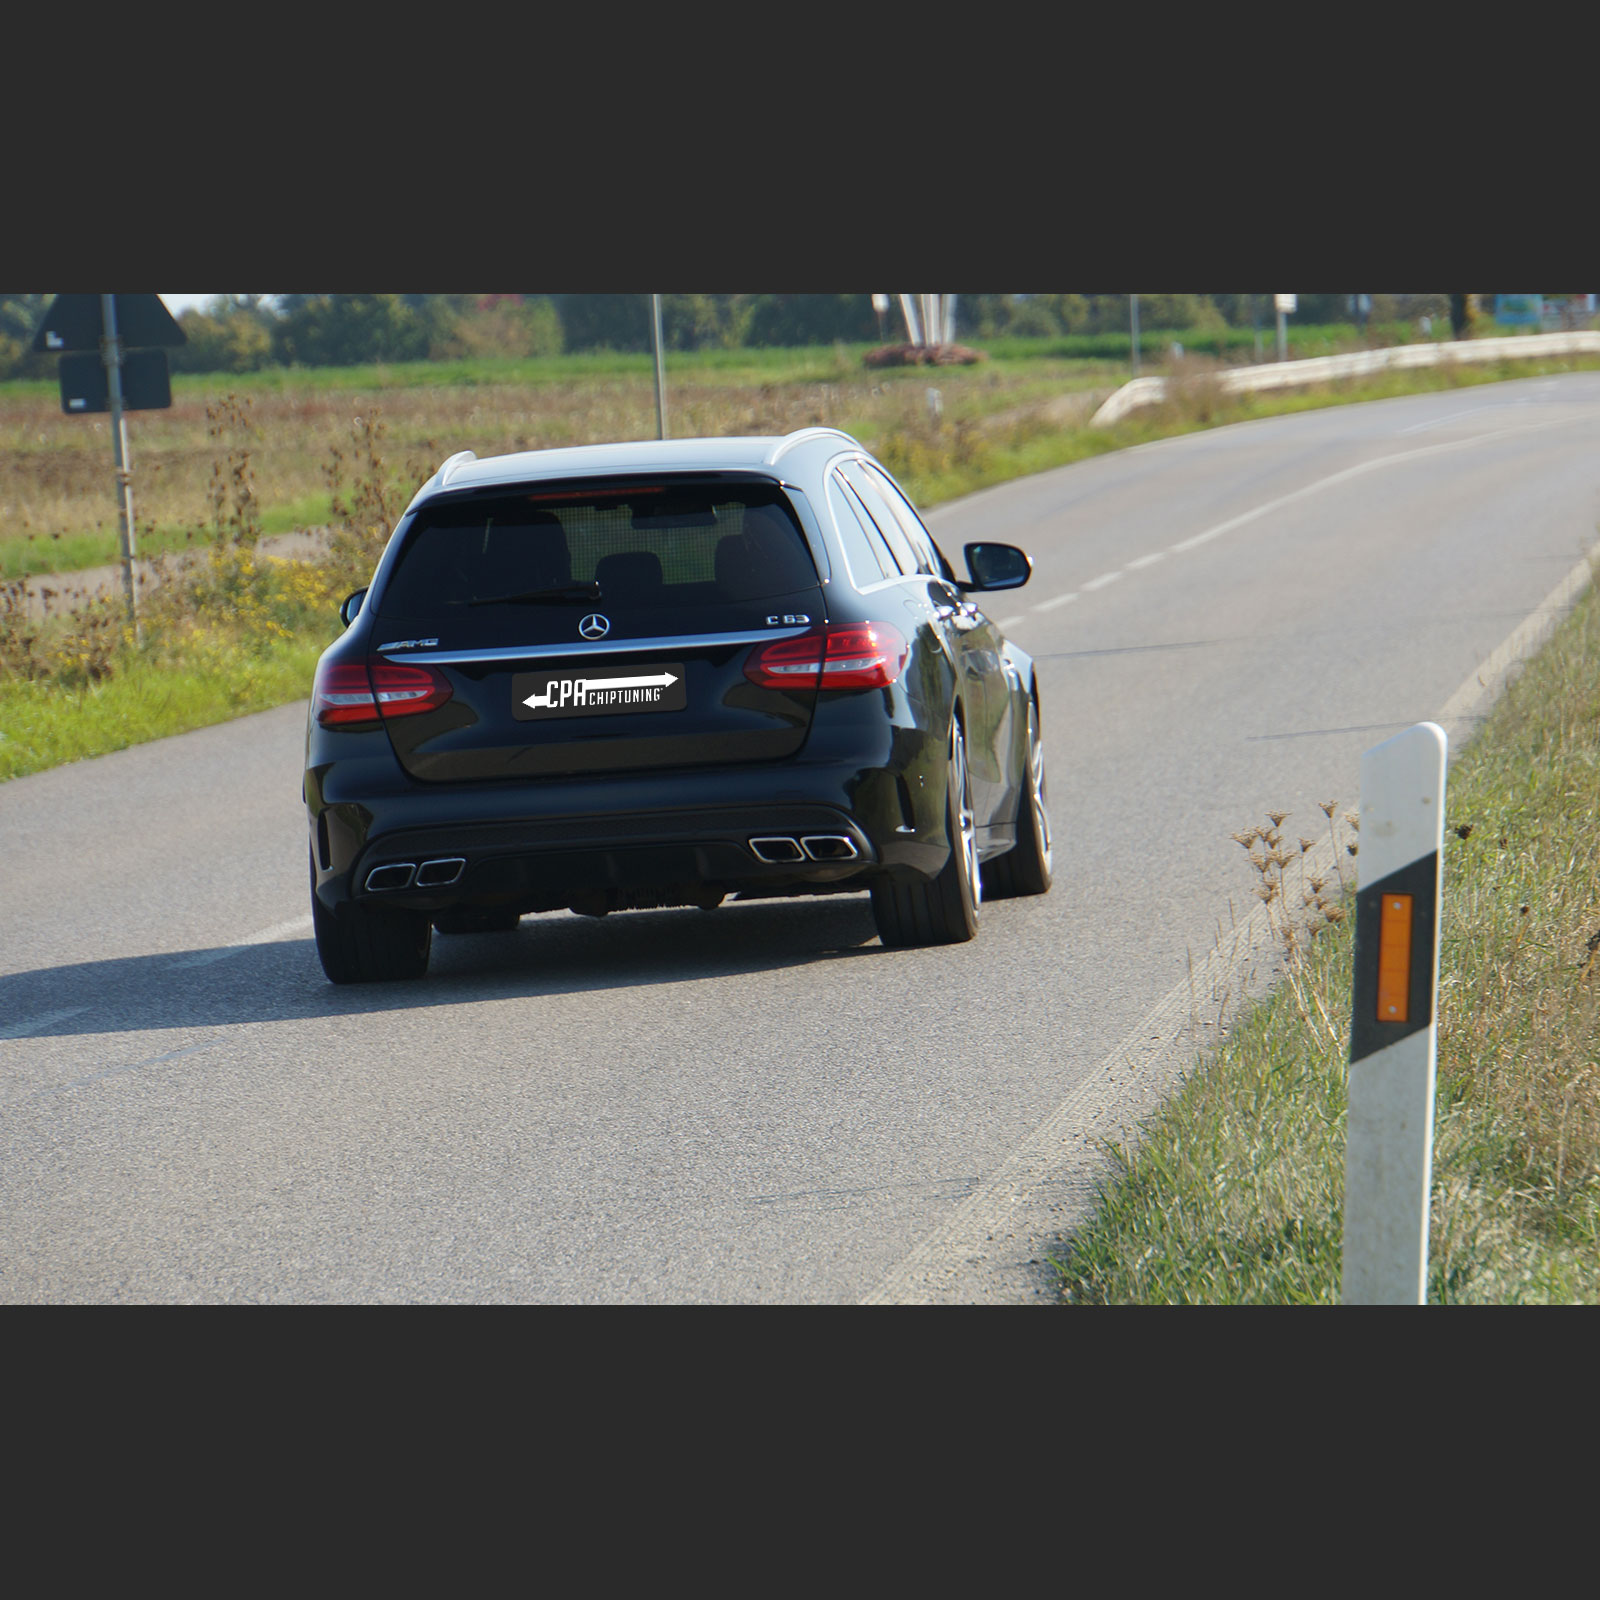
x,y
630,575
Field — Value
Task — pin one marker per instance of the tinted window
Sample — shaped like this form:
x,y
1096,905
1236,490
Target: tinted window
x,y
867,493
930,559
647,546
867,554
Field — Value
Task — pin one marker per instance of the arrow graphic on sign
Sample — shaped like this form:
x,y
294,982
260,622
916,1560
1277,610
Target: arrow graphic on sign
x,y
582,688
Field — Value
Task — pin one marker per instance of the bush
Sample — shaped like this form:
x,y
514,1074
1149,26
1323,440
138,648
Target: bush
x,y
227,338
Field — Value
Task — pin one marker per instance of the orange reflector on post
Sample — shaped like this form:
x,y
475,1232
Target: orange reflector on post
x,y
1394,959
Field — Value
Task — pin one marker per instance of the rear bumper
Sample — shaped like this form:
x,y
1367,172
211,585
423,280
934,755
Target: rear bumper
x,y
655,839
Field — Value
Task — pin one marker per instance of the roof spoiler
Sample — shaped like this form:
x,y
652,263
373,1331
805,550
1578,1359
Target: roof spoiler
x,y
444,472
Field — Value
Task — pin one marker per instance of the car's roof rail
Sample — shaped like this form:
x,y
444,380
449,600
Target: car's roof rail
x,y
450,466
805,436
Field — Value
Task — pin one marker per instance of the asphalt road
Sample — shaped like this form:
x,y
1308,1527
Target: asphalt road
x,y
756,1104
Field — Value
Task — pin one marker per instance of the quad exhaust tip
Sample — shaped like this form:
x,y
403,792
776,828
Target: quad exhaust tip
x,y
776,851
830,847
406,874
780,850
437,874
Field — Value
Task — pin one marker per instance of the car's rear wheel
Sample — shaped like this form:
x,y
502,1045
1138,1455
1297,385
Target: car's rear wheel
x,y
362,945
943,910
1026,869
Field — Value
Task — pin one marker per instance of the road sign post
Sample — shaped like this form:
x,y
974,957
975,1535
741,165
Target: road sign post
x,y
1394,1023
661,369
125,332
111,355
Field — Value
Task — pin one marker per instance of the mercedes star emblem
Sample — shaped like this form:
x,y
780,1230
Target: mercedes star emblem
x,y
594,626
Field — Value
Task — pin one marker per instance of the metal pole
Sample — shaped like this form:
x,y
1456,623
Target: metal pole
x,y
111,354
1133,323
1283,334
661,370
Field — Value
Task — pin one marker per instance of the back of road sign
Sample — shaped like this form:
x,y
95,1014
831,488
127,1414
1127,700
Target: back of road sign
x,y
85,387
73,323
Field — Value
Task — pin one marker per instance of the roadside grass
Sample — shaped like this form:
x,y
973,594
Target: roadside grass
x,y
230,633
1233,1193
44,725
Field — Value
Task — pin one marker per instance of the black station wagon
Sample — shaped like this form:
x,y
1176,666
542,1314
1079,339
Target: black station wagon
x,y
662,674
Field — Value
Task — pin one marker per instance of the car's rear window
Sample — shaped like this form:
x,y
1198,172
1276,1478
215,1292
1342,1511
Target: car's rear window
x,y
647,545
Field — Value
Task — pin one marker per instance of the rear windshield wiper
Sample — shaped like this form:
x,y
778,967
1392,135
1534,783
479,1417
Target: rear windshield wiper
x,y
537,597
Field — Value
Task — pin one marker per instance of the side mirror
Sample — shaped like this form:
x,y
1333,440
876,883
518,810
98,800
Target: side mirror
x,y
997,566
351,608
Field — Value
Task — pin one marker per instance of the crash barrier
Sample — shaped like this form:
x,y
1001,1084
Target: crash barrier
x,y
1360,363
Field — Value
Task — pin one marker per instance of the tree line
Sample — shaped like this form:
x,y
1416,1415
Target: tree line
x,y
246,332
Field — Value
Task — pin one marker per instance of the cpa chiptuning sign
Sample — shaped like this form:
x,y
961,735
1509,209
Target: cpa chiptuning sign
x,y
536,695
1394,1021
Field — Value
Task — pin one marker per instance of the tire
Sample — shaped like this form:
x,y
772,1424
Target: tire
x,y
942,910
474,919
360,945
1026,868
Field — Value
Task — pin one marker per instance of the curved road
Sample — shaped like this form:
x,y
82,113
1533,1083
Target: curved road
x,y
758,1104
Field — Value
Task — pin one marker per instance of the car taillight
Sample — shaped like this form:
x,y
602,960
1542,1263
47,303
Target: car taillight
x,y
864,655
360,695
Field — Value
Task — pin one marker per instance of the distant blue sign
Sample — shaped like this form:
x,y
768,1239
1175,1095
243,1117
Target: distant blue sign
x,y
1519,310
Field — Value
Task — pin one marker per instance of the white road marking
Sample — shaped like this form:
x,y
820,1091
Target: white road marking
x,y
1354,472
1449,416
131,1066
1060,600
48,1019
1101,581
1011,622
1146,561
279,930
1081,1117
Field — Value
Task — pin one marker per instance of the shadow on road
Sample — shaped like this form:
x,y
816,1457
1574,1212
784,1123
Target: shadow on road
x,y
547,955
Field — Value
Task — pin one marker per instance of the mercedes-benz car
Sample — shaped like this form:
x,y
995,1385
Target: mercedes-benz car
x,y
665,674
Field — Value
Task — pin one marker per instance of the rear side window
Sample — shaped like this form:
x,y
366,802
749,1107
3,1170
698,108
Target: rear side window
x,y
930,557
864,549
645,545
909,559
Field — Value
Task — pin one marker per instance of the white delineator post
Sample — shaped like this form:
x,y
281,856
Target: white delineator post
x,y
1394,1023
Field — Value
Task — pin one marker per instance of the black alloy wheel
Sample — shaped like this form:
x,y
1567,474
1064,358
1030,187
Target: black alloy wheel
x,y
943,910
1026,869
363,945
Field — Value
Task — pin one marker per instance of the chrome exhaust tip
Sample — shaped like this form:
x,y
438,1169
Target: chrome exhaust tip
x,y
830,847
398,875
775,851
437,874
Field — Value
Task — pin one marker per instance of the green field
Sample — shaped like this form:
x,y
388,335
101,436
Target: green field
x,y
287,430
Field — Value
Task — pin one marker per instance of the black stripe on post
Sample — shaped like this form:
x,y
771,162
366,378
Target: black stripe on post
x,y
1420,880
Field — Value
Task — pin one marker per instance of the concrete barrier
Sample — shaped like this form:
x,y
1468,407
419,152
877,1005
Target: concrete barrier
x,y
1359,363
